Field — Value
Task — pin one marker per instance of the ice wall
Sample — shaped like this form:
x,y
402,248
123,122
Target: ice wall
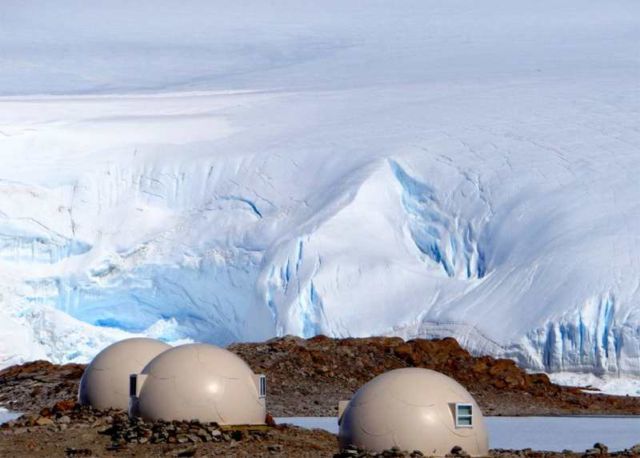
x,y
224,174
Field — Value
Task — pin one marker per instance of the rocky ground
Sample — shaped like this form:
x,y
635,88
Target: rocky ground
x,y
309,377
34,386
67,429
306,378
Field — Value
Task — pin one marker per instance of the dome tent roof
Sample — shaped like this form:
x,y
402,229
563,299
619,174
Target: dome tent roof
x,y
414,409
105,381
199,381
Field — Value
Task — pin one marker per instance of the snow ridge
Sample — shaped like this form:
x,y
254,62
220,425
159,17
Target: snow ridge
x,y
436,234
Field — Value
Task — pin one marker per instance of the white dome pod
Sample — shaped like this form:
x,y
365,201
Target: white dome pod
x,y
414,409
105,381
199,382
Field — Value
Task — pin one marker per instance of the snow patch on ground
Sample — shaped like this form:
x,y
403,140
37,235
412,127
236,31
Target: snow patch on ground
x,y
7,415
620,386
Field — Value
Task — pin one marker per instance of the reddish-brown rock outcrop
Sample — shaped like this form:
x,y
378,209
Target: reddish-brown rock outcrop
x,y
309,377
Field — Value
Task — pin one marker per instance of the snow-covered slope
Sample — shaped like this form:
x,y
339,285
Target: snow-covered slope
x,y
224,172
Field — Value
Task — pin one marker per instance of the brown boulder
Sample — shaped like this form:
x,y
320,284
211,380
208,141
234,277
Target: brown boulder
x,y
44,421
404,351
65,405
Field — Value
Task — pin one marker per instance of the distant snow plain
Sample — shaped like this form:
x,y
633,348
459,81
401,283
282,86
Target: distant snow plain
x,y
224,172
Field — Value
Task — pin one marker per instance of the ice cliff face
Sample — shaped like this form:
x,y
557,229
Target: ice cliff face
x,y
467,169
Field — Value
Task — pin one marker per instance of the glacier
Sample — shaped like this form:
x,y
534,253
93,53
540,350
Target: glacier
x,y
230,172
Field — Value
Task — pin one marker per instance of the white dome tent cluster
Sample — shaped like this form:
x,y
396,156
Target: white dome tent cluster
x,y
155,381
411,408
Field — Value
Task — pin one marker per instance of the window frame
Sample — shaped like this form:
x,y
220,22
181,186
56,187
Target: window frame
x,y
458,416
262,386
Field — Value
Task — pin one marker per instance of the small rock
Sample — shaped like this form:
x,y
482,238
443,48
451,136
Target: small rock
x,y
203,435
189,451
65,406
458,451
193,438
600,446
64,420
182,439
117,446
44,421
269,420
70,451
275,448
30,420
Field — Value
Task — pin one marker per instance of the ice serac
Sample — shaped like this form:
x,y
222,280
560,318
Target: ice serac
x,y
235,173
